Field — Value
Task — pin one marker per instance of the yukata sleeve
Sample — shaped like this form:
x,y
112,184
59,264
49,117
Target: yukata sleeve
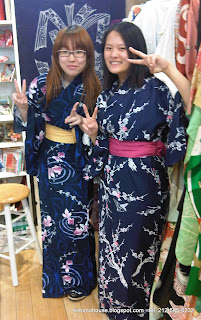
x,y
35,128
176,140
18,124
99,152
98,157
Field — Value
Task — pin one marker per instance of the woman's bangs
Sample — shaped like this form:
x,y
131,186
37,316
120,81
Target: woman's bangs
x,y
75,40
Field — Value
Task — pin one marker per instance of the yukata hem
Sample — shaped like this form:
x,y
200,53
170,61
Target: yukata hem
x,y
65,294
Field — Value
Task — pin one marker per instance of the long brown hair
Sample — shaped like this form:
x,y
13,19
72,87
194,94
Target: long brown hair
x,y
79,39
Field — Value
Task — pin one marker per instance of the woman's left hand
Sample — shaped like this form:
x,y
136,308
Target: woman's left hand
x,y
154,62
74,118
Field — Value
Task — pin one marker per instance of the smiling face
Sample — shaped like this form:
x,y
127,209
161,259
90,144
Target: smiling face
x,y
71,65
115,55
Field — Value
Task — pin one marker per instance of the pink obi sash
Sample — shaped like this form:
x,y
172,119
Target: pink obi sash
x,y
136,149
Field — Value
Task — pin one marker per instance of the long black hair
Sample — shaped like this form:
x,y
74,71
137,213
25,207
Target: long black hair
x,y
132,37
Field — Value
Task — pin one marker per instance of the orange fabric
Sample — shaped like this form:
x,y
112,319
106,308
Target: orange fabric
x,y
57,134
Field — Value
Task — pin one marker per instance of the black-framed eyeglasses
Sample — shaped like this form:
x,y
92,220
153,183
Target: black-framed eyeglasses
x,y
75,53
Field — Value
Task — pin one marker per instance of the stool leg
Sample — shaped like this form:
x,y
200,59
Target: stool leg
x,y
32,229
11,245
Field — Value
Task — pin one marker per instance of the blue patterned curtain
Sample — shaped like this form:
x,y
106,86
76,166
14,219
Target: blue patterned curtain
x,y
38,23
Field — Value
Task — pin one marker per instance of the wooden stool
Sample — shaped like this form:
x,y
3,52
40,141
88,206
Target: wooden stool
x,y
12,193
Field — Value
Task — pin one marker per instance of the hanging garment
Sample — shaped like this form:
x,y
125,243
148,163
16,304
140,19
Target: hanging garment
x,y
191,38
188,233
157,22
177,26
189,229
193,182
176,182
164,251
199,29
181,50
195,84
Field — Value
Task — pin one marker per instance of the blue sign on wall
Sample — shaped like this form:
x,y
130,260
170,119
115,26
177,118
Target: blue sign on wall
x,y
39,21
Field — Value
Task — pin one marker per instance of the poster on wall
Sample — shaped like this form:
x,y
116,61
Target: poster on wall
x,y
38,23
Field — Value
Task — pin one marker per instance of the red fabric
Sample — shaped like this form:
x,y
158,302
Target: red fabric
x,y
181,50
2,12
136,149
191,40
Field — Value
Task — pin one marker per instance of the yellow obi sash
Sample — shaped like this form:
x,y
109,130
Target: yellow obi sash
x,y
57,134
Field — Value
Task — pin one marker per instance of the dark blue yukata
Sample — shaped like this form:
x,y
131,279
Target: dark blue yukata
x,y
134,192
67,235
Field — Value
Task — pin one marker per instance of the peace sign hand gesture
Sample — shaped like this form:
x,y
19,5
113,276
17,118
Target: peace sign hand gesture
x,y
89,124
74,118
20,99
154,62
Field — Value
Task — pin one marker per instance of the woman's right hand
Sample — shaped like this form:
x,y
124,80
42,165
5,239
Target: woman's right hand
x,y
20,99
88,125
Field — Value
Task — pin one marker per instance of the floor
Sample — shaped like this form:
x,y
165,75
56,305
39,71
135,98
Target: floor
x,y
25,301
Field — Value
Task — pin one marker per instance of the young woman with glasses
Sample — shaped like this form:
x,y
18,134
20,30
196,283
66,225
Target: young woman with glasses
x,y
54,151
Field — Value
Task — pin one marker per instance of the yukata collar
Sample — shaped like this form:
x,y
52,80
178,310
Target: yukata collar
x,y
123,86
113,95
78,80
68,96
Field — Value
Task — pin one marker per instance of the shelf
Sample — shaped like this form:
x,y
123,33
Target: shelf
x,y
7,47
11,144
7,88
6,118
8,62
6,81
4,175
5,23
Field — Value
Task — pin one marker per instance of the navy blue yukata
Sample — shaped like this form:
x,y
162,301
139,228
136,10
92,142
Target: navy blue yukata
x,y
67,235
134,192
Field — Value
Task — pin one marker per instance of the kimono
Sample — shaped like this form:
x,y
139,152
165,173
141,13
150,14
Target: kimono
x,y
134,192
67,235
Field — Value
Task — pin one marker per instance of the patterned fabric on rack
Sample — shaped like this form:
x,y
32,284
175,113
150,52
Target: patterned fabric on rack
x,y
195,84
165,247
193,184
193,309
181,51
160,38
188,233
177,24
191,39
